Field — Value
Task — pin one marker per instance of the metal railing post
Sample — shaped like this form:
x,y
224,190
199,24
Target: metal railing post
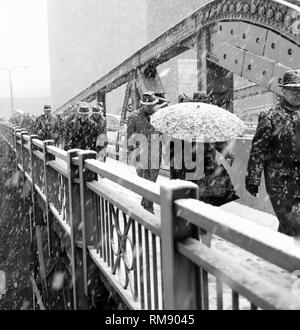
x,y
17,130
22,156
180,277
79,298
33,201
88,212
47,157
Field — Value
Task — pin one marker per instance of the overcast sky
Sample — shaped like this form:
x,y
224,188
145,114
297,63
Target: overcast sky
x,y
24,42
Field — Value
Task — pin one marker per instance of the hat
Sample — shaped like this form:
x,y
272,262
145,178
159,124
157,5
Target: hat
x,y
96,109
182,98
291,79
149,98
83,108
47,108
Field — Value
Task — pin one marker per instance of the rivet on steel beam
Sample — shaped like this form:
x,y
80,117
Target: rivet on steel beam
x,y
287,20
253,8
239,7
270,13
219,9
290,52
246,8
261,11
273,45
257,40
278,16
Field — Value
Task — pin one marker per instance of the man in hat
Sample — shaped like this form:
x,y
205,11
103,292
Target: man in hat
x,y
100,133
274,152
43,126
139,123
81,130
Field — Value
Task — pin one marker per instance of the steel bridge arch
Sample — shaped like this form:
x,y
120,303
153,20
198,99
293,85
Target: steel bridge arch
x,y
280,19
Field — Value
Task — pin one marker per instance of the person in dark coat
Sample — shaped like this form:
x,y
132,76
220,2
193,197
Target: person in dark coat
x,y
216,187
81,130
139,123
59,130
274,152
101,132
44,124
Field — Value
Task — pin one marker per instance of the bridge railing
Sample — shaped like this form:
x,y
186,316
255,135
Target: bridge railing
x,y
228,271
166,260
122,237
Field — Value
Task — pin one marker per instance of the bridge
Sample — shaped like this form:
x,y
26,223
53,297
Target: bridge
x,y
187,255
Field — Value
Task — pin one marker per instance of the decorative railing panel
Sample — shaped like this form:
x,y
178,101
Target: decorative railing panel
x,y
127,242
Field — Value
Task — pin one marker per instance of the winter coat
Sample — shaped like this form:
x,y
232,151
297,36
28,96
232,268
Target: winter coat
x,y
81,134
274,145
100,122
139,123
274,152
43,127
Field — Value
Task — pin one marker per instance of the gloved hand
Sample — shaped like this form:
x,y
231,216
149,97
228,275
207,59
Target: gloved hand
x,y
252,189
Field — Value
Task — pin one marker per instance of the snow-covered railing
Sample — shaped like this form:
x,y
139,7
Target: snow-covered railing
x,y
164,260
277,249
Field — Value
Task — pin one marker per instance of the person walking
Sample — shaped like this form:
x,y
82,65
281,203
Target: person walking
x,y
101,133
139,123
215,187
80,131
274,151
58,130
43,126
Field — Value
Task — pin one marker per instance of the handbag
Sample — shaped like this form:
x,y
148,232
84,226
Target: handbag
x,y
217,189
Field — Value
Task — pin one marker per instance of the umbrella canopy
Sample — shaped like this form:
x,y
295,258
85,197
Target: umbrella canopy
x,y
200,122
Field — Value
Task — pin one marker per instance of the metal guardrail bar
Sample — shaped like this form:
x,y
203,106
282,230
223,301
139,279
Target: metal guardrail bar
x,y
260,292
127,205
26,137
26,146
37,143
39,154
61,168
57,152
136,184
275,247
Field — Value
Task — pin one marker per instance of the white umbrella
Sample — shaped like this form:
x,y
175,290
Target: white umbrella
x,y
200,122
